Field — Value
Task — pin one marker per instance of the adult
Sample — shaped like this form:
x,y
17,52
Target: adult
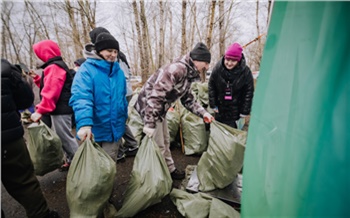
x,y
169,83
55,91
17,170
231,87
98,96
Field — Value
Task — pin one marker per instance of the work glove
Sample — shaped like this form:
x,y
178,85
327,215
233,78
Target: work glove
x,y
148,131
84,132
207,117
216,110
36,117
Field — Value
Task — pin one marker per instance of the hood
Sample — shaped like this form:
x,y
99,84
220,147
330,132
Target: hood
x,y
89,52
192,73
46,49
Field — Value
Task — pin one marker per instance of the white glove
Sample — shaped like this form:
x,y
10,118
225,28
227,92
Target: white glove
x,y
207,117
36,117
84,132
148,131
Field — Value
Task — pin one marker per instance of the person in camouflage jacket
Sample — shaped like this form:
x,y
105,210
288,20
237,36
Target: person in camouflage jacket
x,y
169,83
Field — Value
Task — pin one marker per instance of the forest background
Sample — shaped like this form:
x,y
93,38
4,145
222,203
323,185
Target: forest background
x,y
150,33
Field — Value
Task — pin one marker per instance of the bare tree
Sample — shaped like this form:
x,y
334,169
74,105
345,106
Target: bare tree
x,y
210,23
146,51
161,34
221,28
183,27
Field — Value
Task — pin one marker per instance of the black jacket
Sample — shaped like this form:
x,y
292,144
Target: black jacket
x,y
239,81
16,94
62,105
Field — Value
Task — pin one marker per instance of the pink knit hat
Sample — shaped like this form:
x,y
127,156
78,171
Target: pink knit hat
x,y
234,52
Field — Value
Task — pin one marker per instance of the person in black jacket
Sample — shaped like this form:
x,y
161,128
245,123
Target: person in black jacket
x,y
231,87
17,170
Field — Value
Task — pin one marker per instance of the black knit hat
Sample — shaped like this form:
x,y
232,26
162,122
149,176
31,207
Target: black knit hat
x,y
95,32
106,41
79,62
200,53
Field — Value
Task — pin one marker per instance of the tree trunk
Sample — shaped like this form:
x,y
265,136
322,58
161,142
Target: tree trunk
x,y
139,41
75,31
183,28
161,35
146,59
211,23
221,28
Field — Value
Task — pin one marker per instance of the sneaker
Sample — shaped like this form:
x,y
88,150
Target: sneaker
x,y
53,214
131,151
177,174
64,167
120,157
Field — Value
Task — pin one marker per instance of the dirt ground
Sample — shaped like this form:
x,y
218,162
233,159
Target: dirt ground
x,y
53,186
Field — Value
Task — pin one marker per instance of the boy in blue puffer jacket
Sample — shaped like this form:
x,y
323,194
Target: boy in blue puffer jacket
x,y
98,96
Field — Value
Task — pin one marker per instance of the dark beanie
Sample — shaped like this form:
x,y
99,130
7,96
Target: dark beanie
x,y
79,61
95,32
200,53
106,41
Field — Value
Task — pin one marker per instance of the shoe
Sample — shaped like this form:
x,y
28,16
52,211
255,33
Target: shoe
x,y
131,151
64,167
177,174
120,157
53,214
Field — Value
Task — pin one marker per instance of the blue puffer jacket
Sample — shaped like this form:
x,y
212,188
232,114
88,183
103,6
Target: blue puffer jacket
x,y
98,99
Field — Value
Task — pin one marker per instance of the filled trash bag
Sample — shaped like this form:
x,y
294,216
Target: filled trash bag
x,y
150,180
201,205
90,180
173,120
194,134
200,91
134,121
220,164
297,161
45,148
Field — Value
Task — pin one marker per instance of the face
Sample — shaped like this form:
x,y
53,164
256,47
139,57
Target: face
x,y
230,64
201,66
109,54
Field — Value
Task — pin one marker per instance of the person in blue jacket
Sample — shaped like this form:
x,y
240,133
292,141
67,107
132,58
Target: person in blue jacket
x,y
99,96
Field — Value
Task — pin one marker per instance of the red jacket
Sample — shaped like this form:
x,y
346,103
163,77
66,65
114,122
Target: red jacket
x,y
54,76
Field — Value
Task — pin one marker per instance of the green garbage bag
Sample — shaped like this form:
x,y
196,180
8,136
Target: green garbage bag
x,y
45,148
200,90
90,180
134,121
173,120
220,164
297,161
150,180
194,134
201,205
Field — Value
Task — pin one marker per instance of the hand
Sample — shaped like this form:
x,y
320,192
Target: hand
x,y
84,132
216,110
207,117
148,131
36,117
32,74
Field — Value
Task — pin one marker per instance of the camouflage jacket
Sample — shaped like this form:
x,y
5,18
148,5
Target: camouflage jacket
x,y
164,87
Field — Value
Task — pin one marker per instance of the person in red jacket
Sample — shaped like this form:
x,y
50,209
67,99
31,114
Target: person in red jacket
x,y
55,84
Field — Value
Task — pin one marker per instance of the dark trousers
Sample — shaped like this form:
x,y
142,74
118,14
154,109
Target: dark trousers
x,y
224,120
17,176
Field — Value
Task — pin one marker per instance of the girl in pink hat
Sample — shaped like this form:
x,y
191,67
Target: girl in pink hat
x,y
231,87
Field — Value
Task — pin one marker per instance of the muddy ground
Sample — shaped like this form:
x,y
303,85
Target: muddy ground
x,y
54,188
